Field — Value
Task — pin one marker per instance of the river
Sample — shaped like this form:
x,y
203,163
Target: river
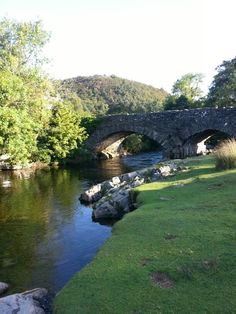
x,y
46,235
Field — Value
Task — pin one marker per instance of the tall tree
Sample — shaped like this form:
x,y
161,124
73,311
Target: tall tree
x,y
24,88
186,93
222,92
189,86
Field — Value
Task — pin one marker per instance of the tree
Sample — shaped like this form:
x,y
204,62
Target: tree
x,y
186,93
25,91
188,86
21,45
222,92
64,131
18,133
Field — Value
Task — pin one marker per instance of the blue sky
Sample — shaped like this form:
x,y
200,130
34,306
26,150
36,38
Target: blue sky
x,y
151,41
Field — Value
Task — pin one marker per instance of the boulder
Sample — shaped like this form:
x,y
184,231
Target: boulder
x,y
121,202
107,185
104,210
115,180
91,195
3,287
20,304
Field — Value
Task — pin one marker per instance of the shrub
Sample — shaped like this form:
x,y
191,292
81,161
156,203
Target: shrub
x,y
225,154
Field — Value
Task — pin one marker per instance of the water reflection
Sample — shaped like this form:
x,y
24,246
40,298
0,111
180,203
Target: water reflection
x,y
46,235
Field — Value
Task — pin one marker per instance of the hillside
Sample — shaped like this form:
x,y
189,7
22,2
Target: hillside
x,y
113,95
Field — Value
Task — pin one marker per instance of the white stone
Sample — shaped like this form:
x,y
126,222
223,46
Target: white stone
x,y
115,180
20,304
3,287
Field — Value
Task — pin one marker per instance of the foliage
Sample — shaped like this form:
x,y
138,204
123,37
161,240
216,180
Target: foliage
x,y
136,143
188,238
222,92
185,93
110,94
188,86
21,45
89,122
33,126
18,134
64,131
225,155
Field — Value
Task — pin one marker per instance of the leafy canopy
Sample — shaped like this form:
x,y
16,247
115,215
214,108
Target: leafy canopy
x,y
222,92
33,126
186,92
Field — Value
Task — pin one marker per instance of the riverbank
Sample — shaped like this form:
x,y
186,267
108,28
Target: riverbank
x,y
174,254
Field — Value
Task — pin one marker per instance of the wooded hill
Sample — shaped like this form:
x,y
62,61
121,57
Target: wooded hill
x,y
112,95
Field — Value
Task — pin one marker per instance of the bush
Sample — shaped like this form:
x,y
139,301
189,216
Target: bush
x,y
225,155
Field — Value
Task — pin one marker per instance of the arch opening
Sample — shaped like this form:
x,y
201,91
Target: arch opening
x,y
125,143
203,142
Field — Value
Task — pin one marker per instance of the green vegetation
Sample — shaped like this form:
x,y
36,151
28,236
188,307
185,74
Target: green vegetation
x,y
186,93
35,124
136,143
112,95
225,155
174,254
222,92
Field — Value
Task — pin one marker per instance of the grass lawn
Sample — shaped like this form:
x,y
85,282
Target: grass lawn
x,y
175,254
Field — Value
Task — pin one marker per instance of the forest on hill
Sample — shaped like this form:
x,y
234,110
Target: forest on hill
x,y
101,95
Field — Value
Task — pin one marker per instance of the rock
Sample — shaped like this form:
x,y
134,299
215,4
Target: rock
x,y
115,180
162,198
107,185
20,304
179,185
129,176
165,170
37,293
136,183
91,195
122,202
112,198
104,210
3,287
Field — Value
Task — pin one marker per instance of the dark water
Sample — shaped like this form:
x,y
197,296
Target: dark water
x,y
46,235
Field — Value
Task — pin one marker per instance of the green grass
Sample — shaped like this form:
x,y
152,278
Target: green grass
x,y
185,232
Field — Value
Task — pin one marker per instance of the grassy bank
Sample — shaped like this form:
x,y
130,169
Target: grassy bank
x,y
175,254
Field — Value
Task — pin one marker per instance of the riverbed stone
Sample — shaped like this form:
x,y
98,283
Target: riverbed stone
x,y
104,210
115,180
122,201
31,302
112,198
20,304
3,287
107,185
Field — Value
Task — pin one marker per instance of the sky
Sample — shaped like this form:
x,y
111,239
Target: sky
x,y
151,41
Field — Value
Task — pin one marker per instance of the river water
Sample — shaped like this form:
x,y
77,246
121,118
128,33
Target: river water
x,y
46,235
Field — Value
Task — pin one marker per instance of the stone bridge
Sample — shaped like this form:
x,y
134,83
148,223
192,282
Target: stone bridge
x,y
181,133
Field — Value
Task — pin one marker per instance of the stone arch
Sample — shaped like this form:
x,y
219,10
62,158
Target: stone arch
x,y
108,142
196,143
